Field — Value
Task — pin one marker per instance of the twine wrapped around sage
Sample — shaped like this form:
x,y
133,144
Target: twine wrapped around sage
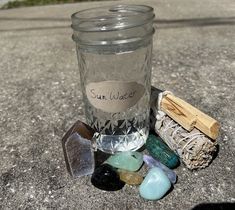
x,y
194,148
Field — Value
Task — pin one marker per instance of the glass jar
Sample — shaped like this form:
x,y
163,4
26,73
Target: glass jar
x,y
114,51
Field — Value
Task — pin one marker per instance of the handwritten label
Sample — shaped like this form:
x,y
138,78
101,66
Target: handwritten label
x,y
114,96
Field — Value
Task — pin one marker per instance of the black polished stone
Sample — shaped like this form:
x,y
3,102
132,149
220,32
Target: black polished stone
x,y
106,178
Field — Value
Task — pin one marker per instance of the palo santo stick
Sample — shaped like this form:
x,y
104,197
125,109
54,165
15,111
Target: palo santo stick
x,y
204,123
178,113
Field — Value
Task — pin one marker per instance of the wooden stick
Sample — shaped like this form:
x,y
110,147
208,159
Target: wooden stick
x,y
204,123
178,113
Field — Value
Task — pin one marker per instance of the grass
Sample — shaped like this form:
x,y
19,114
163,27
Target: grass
x,y
28,3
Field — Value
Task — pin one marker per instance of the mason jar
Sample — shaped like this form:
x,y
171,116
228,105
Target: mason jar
x,y
114,52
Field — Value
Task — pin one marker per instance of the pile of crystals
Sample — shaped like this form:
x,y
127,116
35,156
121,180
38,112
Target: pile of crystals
x,y
112,172
187,134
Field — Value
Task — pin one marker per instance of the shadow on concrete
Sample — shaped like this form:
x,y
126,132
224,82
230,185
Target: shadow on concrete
x,y
215,206
160,23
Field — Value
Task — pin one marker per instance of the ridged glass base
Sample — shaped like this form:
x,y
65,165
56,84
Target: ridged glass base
x,y
120,143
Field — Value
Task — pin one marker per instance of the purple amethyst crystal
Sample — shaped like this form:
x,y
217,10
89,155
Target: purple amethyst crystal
x,y
151,162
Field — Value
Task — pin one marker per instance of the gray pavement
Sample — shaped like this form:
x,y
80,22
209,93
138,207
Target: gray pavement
x,y
40,99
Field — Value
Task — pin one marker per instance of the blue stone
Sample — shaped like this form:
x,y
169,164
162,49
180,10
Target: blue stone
x,y
151,162
155,184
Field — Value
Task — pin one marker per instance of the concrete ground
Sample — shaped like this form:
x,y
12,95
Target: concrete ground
x,y
40,99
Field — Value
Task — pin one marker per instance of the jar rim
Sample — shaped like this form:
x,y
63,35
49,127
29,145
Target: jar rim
x,y
109,18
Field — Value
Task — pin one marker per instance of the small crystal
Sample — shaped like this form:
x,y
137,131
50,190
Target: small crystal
x,y
155,184
78,154
106,178
130,178
82,129
159,150
151,162
130,161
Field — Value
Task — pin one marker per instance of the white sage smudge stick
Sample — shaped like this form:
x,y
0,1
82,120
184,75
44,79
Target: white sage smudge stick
x,y
195,149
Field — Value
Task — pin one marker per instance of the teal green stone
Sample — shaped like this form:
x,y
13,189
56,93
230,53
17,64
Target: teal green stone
x,y
155,184
130,161
159,150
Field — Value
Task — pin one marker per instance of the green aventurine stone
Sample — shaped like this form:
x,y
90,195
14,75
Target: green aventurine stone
x,y
159,150
130,161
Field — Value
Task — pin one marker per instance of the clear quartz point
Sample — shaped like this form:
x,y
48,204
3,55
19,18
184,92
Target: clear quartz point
x,y
79,155
151,162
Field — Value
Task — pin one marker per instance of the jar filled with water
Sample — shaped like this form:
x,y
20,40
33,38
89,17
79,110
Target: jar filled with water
x,y
114,51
